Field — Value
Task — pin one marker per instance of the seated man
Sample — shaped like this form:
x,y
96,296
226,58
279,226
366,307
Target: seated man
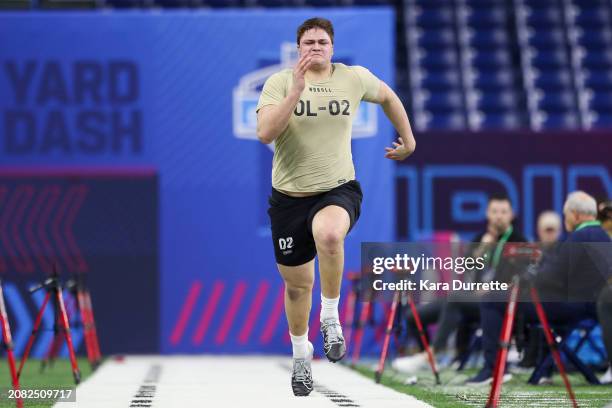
x,y
549,231
460,308
568,281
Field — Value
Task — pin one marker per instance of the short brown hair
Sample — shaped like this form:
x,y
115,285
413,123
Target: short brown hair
x,y
316,22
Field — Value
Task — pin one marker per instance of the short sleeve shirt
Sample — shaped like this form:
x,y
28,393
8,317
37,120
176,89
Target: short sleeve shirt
x,y
313,154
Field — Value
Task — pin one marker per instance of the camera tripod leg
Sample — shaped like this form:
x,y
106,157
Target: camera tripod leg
x,y
8,343
388,330
64,317
428,350
37,322
552,343
504,340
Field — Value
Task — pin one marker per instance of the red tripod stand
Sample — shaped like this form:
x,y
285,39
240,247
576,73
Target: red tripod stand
x,y
8,344
80,292
388,330
504,340
89,324
53,289
399,300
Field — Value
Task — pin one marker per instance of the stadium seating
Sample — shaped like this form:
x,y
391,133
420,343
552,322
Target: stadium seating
x,y
519,63
435,84
590,39
475,64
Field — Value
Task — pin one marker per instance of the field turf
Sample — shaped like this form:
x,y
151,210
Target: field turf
x,y
57,375
515,393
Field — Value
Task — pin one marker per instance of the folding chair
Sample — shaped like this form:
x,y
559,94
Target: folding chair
x,y
584,327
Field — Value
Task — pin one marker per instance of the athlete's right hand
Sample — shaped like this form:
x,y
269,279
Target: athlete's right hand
x,y
299,72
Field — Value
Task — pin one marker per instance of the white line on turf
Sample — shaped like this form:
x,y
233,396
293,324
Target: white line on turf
x,y
253,381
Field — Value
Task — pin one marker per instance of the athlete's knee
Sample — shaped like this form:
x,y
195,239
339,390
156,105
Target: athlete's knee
x,y
330,241
298,291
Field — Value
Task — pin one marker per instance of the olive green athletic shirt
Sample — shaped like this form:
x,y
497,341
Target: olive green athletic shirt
x,y
313,154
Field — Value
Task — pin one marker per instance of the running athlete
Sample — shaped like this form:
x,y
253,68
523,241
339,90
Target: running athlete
x,y
308,112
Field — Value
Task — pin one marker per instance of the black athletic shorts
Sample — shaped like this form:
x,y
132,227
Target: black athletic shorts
x,y
291,220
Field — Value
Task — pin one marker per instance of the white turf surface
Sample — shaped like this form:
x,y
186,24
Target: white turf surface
x,y
228,381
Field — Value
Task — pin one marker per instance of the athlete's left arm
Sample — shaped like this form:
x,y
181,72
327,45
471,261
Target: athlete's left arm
x,y
394,109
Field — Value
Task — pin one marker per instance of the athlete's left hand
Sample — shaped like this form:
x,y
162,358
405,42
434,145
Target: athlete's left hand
x,y
399,152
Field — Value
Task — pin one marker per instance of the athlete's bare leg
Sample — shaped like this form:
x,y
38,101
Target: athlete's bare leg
x,y
329,228
298,298
298,295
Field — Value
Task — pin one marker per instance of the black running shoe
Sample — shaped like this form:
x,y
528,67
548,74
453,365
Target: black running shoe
x,y
301,378
333,341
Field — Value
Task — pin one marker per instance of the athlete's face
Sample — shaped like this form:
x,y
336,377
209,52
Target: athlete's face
x,y
316,42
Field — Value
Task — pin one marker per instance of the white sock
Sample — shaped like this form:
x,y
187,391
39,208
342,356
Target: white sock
x,y
329,308
300,345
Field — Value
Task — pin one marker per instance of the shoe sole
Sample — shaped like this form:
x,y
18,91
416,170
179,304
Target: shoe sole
x,y
301,393
335,360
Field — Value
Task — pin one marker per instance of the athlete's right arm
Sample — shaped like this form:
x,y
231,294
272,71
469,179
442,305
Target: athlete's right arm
x,y
272,120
